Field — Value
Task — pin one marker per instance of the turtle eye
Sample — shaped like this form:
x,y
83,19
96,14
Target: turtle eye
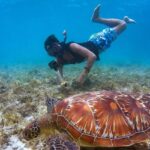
x,y
31,131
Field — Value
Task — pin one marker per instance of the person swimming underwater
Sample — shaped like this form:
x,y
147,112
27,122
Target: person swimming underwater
x,y
72,52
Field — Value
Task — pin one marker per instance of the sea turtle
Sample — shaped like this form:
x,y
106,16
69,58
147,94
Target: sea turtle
x,y
94,119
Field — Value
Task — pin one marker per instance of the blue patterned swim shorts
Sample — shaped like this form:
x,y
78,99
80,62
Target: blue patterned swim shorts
x,y
104,38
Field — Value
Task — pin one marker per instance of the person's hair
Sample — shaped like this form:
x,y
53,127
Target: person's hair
x,y
50,40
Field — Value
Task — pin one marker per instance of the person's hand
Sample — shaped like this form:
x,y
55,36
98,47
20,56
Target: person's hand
x,y
53,65
80,80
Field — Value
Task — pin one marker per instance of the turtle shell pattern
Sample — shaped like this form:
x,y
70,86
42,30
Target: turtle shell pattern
x,y
105,118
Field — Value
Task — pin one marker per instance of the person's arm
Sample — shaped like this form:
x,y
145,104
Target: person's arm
x,y
60,78
90,56
60,73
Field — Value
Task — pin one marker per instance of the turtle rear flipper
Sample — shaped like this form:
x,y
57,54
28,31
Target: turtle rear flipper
x,y
58,143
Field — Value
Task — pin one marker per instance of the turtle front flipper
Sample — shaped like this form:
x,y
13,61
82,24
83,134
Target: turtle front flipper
x,y
50,102
59,143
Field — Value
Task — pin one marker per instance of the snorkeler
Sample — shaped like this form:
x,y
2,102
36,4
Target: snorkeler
x,y
71,53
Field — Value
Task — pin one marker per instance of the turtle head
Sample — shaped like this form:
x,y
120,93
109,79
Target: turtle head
x,y
41,126
32,130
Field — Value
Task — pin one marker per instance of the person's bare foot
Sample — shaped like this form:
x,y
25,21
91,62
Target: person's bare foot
x,y
128,20
95,15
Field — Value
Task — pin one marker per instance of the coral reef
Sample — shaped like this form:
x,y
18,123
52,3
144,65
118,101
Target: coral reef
x,y
23,91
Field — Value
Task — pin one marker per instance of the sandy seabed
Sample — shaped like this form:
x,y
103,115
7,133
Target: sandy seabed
x,y
23,91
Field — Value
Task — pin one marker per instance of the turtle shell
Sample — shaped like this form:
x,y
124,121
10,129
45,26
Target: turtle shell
x,y
104,118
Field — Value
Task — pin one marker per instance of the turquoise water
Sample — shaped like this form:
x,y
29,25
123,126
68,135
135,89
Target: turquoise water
x,y
24,26
26,23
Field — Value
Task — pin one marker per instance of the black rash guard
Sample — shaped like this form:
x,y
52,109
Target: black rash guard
x,y
75,58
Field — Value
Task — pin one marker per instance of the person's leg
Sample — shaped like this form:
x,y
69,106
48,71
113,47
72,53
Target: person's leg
x,y
117,24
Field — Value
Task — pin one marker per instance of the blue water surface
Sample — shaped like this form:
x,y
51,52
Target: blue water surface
x,y
25,24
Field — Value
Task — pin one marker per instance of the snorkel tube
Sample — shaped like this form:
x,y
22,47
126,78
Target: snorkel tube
x,y
65,36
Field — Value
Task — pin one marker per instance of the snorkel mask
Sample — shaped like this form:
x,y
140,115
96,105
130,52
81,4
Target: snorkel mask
x,y
52,46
